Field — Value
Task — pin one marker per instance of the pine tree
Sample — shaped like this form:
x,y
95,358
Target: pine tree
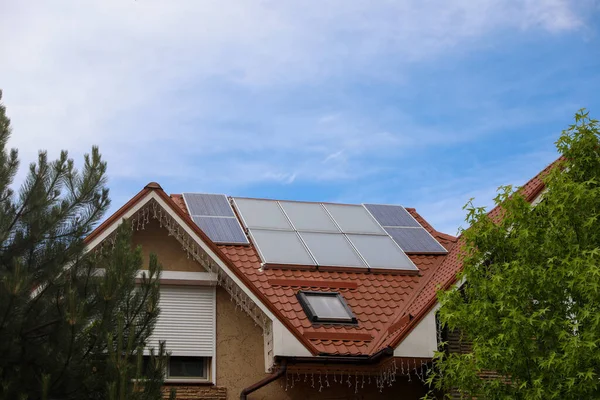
x,y
73,324
530,304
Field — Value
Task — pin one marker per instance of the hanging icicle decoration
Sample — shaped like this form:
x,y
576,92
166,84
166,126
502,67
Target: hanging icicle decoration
x,y
320,383
293,381
327,378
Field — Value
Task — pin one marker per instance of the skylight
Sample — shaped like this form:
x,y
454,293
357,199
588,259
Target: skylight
x,y
326,307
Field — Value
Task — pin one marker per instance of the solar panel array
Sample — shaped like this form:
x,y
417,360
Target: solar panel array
x,y
214,215
405,230
319,234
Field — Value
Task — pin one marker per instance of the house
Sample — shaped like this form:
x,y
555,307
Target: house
x,y
265,299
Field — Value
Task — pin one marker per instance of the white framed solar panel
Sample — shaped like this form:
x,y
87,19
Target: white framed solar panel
x,y
332,249
381,252
310,217
281,247
354,219
261,214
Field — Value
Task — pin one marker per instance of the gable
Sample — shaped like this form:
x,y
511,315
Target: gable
x,y
156,239
152,204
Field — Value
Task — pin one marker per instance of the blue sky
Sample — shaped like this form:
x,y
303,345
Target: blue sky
x,y
421,103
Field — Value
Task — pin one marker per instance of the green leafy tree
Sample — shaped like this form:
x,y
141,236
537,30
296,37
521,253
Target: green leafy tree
x,y
72,323
529,308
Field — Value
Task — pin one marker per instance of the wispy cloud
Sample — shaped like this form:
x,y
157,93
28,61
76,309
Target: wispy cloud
x,y
227,95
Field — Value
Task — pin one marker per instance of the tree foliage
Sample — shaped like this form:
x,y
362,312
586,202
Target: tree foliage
x,y
72,323
530,305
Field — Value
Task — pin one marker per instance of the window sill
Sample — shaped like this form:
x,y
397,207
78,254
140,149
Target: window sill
x,y
191,381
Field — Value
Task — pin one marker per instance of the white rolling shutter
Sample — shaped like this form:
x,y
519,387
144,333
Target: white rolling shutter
x,y
186,321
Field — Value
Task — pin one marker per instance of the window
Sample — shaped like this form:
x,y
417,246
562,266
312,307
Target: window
x,y
187,367
326,307
186,325
183,368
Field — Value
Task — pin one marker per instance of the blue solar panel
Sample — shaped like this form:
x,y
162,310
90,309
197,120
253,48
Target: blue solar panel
x,y
391,215
223,230
200,204
415,240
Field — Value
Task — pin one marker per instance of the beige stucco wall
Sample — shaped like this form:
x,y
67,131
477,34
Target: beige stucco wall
x,y
155,239
240,356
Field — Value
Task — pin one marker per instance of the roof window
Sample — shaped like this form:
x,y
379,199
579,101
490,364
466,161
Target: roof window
x,y
326,307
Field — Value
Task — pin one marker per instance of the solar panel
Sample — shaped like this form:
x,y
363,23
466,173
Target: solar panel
x,y
415,240
280,247
224,230
308,216
332,249
381,252
354,219
262,214
201,204
388,215
214,215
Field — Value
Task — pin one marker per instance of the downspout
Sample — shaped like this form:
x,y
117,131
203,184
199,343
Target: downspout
x,y
264,382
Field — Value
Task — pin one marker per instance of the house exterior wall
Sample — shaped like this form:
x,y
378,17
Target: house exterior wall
x,y
240,360
422,340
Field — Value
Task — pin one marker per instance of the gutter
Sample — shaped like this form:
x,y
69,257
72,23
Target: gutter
x,y
284,361
352,360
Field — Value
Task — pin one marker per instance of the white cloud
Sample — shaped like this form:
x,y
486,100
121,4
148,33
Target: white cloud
x,y
156,83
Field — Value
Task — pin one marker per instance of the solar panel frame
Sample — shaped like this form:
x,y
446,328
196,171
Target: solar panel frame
x,y
287,241
214,214
425,243
336,243
222,230
415,240
205,204
392,215
299,223
341,213
268,211
372,252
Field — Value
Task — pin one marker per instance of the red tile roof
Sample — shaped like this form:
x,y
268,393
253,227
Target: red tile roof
x,y
387,305
374,298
